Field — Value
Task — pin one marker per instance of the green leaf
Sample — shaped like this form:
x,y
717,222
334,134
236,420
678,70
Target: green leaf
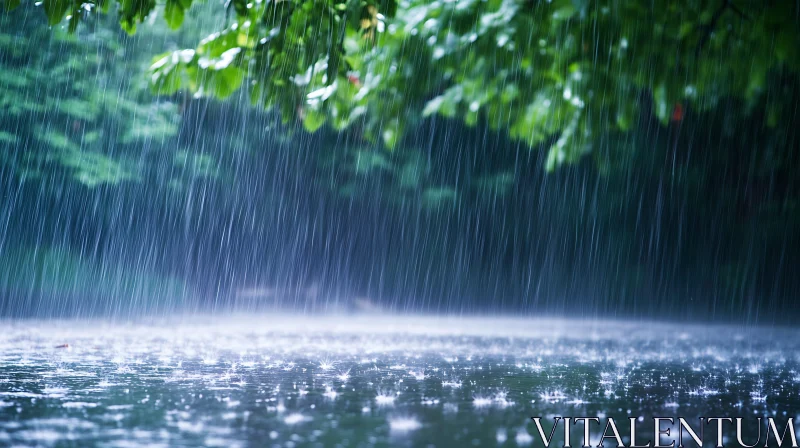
x,y
240,6
433,106
74,20
56,10
626,113
133,12
128,26
166,81
445,104
391,134
174,13
313,120
218,82
11,4
563,150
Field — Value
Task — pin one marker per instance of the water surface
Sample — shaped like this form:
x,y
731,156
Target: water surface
x,y
280,380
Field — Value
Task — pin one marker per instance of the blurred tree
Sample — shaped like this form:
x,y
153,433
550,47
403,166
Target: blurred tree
x,y
68,103
77,103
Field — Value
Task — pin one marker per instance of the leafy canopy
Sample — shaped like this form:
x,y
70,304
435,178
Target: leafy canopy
x,y
68,104
559,74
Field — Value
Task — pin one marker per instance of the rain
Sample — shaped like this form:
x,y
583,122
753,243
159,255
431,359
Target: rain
x,y
366,223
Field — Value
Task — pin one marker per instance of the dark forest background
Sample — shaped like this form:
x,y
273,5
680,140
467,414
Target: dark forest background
x,y
118,197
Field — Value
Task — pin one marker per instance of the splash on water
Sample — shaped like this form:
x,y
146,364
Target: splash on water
x,y
235,380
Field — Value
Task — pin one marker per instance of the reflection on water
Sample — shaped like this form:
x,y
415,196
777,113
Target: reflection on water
x,y
371,380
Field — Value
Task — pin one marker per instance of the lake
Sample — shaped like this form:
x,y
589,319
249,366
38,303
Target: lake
x,y
359,381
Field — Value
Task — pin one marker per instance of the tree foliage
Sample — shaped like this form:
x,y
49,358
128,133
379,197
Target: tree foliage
x,y
69,105
559,74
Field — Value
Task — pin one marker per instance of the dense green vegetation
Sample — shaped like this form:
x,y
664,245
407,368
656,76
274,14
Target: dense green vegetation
x,y
560,73
396,149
